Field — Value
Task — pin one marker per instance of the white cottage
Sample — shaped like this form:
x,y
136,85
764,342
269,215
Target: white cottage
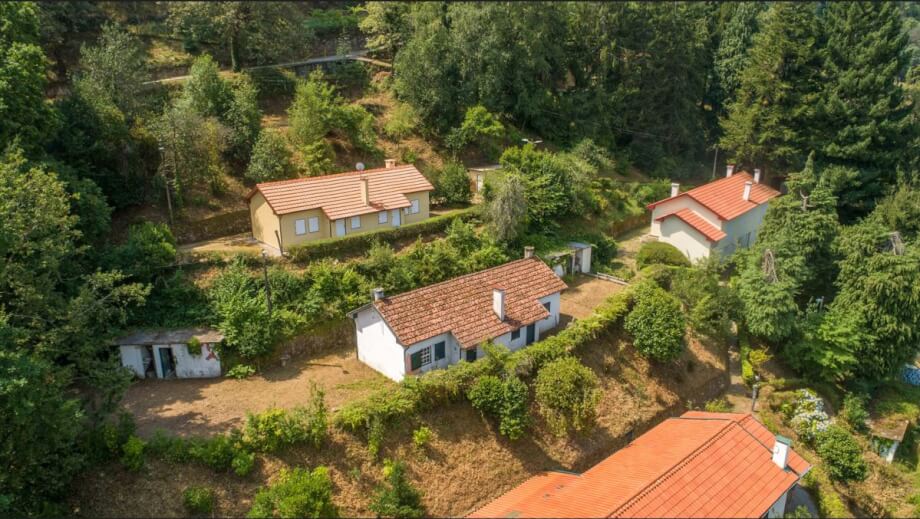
x,y
183,353
445,323
719,216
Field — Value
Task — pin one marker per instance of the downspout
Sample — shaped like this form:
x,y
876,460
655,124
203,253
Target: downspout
x,y
278,237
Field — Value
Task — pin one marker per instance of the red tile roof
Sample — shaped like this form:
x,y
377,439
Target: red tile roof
x,y
463,305
696,221
339,195
698,465
724,197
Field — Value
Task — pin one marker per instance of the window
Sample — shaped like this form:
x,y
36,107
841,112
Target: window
x,y
420,358
516,334
547,305
471,355
300,227
314,224
382,217
426,356
355,222
439,350
415,208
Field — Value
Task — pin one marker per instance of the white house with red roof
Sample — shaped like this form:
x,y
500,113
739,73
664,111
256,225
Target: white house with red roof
x,y
697,465
445,323
719,216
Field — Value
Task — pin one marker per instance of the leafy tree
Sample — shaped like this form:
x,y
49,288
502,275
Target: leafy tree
x,y
656,323
862,106
548,186
192,148
770,123
39,448
567,394
479,126
243,117
205,91
150,248
397,497
385,25
402,122
271,159
453,184
507,211
113,68
296,493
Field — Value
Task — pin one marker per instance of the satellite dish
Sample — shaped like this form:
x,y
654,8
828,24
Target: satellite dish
x,y
359,166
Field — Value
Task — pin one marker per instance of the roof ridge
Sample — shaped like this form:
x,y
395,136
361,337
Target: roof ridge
x,y
671,471
461,276
333,175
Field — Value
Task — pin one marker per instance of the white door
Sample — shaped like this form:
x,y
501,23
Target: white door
x,y
479,182
396,218
340,227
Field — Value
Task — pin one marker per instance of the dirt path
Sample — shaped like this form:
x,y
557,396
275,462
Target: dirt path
x,y
628,245
237,243
206,406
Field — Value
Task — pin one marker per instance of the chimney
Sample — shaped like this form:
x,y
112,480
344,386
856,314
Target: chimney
x,y
528,252
675,189
377,293
757,175
365,192
498,303
729,169
390,163
747,191
781,451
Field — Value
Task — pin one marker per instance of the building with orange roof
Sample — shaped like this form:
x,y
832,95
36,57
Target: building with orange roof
x,y
698,465
719,216
445,323
290,212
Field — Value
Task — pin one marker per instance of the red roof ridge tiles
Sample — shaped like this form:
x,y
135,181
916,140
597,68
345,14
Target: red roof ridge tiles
x,y
463,305
691,218
724,196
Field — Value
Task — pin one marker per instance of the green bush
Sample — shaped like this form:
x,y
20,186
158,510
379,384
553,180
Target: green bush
x,y
657,252
361,243
296,493
486,395
656,323
505,400
747,369
273,429
854,411
133,454
271,159
718,405
453,184
243,463
241,371
198,500
397,497
403,121
841,454
421,437
567,393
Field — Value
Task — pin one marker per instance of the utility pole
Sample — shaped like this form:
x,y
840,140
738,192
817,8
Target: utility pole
x,y
715,162
268,288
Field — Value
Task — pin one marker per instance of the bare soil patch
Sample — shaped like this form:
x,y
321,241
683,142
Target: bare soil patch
x,y
585,293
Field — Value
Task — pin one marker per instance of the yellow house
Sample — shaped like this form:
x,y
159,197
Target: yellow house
x,y
290,212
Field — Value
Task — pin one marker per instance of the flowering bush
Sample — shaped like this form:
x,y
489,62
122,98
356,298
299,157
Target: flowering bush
x,y
806,415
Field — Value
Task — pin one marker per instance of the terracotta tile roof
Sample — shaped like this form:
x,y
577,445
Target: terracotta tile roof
x,y
463,305
339,195
709,231
698,465
724,197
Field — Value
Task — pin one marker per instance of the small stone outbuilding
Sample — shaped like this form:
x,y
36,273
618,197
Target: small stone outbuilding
x,y
178,353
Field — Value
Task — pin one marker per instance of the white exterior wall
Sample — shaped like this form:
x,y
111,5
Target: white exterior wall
x,y
133,358
687,239
684,202
779,507
739,228
553,319
187,366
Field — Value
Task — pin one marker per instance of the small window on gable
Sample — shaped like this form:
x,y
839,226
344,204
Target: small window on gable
x,y
355,222
382,217
300,227
548,307
415,207
516,334
314,224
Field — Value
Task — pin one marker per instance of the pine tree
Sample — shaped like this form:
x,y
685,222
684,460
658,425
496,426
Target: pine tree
x,y
863,115
731,56
769,124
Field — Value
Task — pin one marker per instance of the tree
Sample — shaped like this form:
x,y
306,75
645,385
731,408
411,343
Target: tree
x,y
771,122
735,40
385,25
149,249
507,211
192,147
566,392
296,493
397,497
656,323
243,118
271,159
113,68
863,113
205,91
453,184
479,126
548,186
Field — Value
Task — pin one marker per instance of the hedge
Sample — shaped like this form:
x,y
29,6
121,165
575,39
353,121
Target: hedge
x,y
360,243
437,387
747,369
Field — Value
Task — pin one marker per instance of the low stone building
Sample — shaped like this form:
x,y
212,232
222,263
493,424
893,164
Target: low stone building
x,y
181,353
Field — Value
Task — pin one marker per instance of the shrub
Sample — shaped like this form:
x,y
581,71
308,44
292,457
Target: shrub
x,y
656,323
276,428
216,452
486,395
169,448
747,369
567,394
198,500
271,159
657,252
421,437
718,405
296,493
397,497
504,400
243,463
806,415
854,411
453,184
241,371
150,247
403,121
375,431
133,454
841,454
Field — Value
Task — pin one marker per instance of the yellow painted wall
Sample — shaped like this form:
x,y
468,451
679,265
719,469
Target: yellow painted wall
x,y
289,237
423,209
264,220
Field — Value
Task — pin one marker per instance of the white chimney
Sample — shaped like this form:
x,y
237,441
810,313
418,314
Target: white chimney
x,y
365,192
389,163
729,169
675,189
528,251
781,451
747,191
377,293
498,303
757,175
